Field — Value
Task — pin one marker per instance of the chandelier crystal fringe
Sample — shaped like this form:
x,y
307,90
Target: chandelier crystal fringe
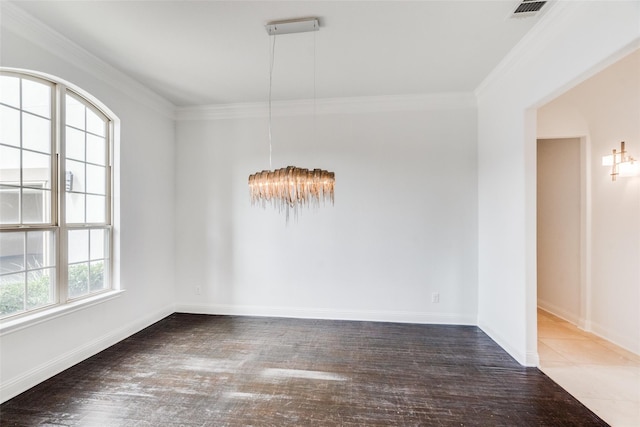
x,y
291,188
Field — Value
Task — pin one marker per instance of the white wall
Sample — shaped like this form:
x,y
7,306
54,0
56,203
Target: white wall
x,y
572,41
606,110
559,235
403,225
145,197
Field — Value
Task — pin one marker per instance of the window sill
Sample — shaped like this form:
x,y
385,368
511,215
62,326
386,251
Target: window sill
x,y
13,325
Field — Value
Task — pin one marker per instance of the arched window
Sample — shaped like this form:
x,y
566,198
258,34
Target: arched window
x,y
55,195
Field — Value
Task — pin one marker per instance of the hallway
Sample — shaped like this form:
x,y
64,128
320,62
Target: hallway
x,y
603,376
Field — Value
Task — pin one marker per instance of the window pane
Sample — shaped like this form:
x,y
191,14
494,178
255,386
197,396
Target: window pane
x,y
96,179
78,280
75,208
78,246
12,295
11,252
40,249
96,276
36,98
9,165
10,91
36,170
40,286
9,205
77,169
97,244
29,275
74,112
95,123
28,258
96,209
36,133
9,126
95,150
36,206
74,144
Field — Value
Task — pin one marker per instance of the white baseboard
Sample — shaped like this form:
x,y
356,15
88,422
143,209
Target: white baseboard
x,y
627,343
526,359
588,325
38,374
532,359
560,312
329,314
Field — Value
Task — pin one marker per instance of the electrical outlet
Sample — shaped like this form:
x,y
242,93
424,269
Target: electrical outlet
x,y
197,290
435,297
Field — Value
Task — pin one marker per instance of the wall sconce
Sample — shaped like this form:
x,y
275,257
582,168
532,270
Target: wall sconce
x,y
621,164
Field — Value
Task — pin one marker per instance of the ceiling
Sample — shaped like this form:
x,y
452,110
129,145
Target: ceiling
x,y
217,52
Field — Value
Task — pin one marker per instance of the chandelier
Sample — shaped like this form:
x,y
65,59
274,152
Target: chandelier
x,y
290,189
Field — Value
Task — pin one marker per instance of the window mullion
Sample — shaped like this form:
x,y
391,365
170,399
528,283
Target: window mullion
x,y
21,173
26,271
55,158
63,264
109,164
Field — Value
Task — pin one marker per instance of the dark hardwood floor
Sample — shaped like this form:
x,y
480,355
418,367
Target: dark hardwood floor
x,y
198,370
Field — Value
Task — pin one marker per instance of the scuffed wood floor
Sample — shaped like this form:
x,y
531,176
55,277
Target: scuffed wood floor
x,y
198,370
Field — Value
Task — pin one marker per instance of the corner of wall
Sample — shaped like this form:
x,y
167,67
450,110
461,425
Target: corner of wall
x,y
19,22
506,205
528,358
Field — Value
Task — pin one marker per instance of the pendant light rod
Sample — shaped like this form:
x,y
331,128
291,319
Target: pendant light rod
x,y
290,189
303,25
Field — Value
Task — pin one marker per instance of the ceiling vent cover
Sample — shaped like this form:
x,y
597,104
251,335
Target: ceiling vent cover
x,y
528,8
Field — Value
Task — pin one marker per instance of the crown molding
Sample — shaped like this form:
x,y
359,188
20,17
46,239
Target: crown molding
x,y
538,35
355,105
546,32
19,22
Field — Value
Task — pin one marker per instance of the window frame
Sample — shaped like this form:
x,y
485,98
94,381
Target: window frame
x,y
61,301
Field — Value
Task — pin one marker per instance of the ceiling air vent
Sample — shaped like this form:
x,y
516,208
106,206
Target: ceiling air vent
x,y
528,8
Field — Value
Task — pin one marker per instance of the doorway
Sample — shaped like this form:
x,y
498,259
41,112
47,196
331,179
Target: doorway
x,y
600,374
559,225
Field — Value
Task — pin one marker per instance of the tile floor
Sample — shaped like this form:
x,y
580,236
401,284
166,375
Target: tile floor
x,y
601,375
